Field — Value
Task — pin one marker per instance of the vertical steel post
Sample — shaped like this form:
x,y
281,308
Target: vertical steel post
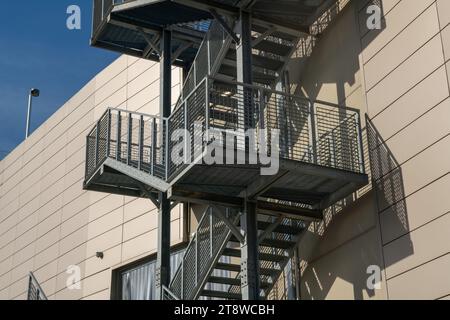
x,y
249,253
312,121
361,145
163,256
154,132
97,143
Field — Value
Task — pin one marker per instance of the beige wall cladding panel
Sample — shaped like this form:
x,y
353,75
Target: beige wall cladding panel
x,y
416,210
74,223
46,256
45,273
51,192
386,4
415,174
7,244
4,282
413,37
54,161
176,236
105,223
111,72
99,296
445,34
105,241
139,66
103,93
395,21
105,206
144,244
448,73
138,207
146,76
76,158
21,271
422,133
111,257
9,223
47,240
6,265
81,96
341,274
49,288
73,191
428,242
76,256
74,240
413,70
150,92
425,282
96,282
117,99
27,224
27,208
62,292
77,205
74,175
18,289
140,225
24,240
444,12
413,104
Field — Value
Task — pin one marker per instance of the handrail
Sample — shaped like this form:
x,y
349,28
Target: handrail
x,y
35,291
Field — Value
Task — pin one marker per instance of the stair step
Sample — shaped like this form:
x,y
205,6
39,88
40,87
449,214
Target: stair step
x,y
273,243
272,47
278,34
262,256
224,280
282,228
234,282
258,77
237,268
280,244
257,61
221,295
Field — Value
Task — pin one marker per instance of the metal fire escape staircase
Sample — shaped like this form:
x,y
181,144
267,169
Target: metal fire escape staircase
x,y
320,147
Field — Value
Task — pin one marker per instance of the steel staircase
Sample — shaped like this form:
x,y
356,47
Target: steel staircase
x,y
211,265
319,144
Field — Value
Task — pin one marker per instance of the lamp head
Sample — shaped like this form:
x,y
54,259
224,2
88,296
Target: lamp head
x,y
35,93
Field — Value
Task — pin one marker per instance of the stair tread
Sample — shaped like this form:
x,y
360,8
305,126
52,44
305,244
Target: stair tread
x,y
234,281
275,243
278,34
282,228
231,72
272,47
258,61
237,268
229,252
221,294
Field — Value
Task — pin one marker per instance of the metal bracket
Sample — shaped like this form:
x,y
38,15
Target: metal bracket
x,y
234,230
180,50
225,26
149,41
149,195
263,36
270,229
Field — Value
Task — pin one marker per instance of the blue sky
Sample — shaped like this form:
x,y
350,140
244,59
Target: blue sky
x,y
37,50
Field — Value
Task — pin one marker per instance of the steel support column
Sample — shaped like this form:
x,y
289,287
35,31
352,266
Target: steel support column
x,y
249,253
163,259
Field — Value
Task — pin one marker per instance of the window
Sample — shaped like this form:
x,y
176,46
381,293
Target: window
x,y
138,282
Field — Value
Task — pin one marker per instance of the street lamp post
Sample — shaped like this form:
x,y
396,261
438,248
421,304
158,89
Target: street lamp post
x,y
33,93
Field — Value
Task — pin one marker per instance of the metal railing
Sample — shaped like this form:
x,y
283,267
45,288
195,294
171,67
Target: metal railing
x,y
202,253
35,291
314,132
132,138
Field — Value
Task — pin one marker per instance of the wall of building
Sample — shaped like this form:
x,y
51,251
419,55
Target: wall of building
x,y
48,223
398,76
406,83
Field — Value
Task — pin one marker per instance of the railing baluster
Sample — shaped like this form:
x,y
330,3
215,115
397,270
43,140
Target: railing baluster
x,y
119,137
108,134
196,258
182,280
360,144
141,141
313,134
130,131
210,233
97,143
154,132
